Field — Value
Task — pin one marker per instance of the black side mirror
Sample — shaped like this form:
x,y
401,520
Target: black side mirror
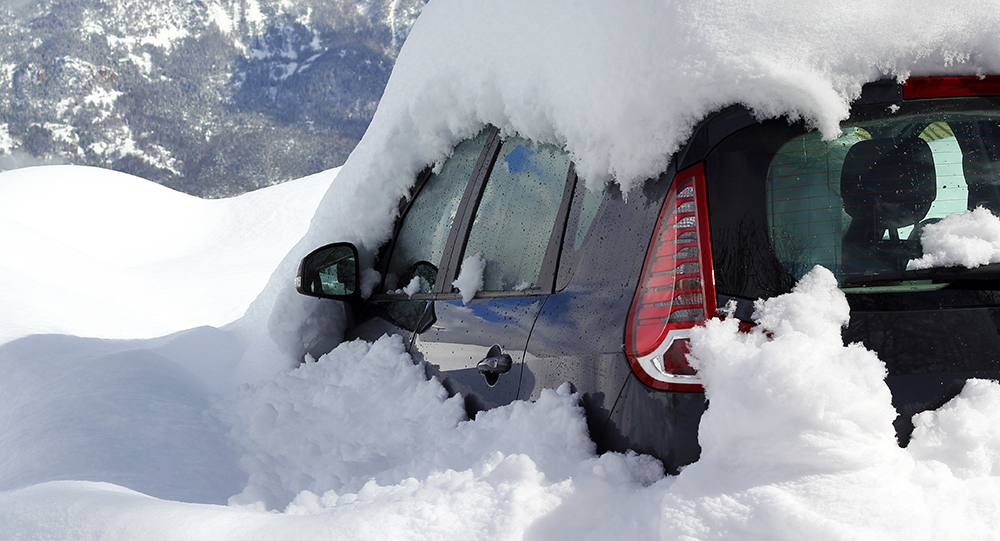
x,y
330,272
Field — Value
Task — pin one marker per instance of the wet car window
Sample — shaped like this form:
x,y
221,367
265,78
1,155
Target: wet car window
x,y
856,204
517,212
425,229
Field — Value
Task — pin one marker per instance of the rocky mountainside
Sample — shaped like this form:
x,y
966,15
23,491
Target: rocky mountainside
x,y
210,97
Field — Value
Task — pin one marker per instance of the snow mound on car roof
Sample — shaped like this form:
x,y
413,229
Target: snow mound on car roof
x,y
620,85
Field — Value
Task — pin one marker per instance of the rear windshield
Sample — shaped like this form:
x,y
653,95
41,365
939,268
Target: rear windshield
x,y
856,204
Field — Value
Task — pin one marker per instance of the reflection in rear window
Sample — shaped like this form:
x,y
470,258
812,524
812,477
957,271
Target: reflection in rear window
x,y
856,204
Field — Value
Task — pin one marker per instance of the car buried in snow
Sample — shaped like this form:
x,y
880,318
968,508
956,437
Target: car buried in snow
x,y
601,290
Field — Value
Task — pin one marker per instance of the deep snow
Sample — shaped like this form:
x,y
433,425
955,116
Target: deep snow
x,y
111,439
144,258
130,439
95,260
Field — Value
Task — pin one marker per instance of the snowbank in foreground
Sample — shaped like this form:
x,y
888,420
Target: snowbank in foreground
x,y
798,440
133,413
798,444
969,240
366,414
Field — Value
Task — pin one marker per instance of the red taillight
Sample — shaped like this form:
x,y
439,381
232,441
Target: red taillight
x,y
677,288
950,87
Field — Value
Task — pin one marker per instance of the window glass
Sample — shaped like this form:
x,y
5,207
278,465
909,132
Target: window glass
x,y
582,213
517,212
589,203
421,240
856,204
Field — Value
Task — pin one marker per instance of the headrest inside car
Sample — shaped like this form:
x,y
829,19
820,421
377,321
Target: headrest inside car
x,y
889,184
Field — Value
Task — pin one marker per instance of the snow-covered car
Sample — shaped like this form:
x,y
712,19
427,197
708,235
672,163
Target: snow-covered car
x,y
507,275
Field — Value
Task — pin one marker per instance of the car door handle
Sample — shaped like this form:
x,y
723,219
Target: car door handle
x,y
495,363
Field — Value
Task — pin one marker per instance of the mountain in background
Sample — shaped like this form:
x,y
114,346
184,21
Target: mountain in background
x,y
209,97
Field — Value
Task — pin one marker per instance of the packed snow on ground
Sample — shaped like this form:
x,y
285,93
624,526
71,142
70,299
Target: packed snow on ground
x,y
110,431
969,239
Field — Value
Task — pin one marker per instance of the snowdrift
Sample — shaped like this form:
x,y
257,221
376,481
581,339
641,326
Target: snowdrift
x,y
117,256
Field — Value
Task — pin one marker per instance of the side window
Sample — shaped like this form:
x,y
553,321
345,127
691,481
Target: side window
x,y
420,243
517,212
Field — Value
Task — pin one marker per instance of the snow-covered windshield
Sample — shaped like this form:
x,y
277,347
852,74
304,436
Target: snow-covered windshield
x,y
858,204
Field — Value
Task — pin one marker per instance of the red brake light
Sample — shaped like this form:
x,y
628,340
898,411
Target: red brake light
x,y
677,288
950,87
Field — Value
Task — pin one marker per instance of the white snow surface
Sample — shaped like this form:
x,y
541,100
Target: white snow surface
x,y
969,239
149,260
113,428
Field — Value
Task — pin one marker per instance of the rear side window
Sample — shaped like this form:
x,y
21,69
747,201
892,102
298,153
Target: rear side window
x,y
517,211
856,204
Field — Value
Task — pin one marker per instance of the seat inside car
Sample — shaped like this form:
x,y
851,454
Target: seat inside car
x,y
886,185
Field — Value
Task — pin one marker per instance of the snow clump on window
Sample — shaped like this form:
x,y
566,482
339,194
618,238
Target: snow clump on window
x,y
470,278
969,240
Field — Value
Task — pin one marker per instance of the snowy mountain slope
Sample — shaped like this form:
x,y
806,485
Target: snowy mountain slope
x,y
212,97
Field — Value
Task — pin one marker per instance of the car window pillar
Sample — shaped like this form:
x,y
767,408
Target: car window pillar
x,y
451,261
